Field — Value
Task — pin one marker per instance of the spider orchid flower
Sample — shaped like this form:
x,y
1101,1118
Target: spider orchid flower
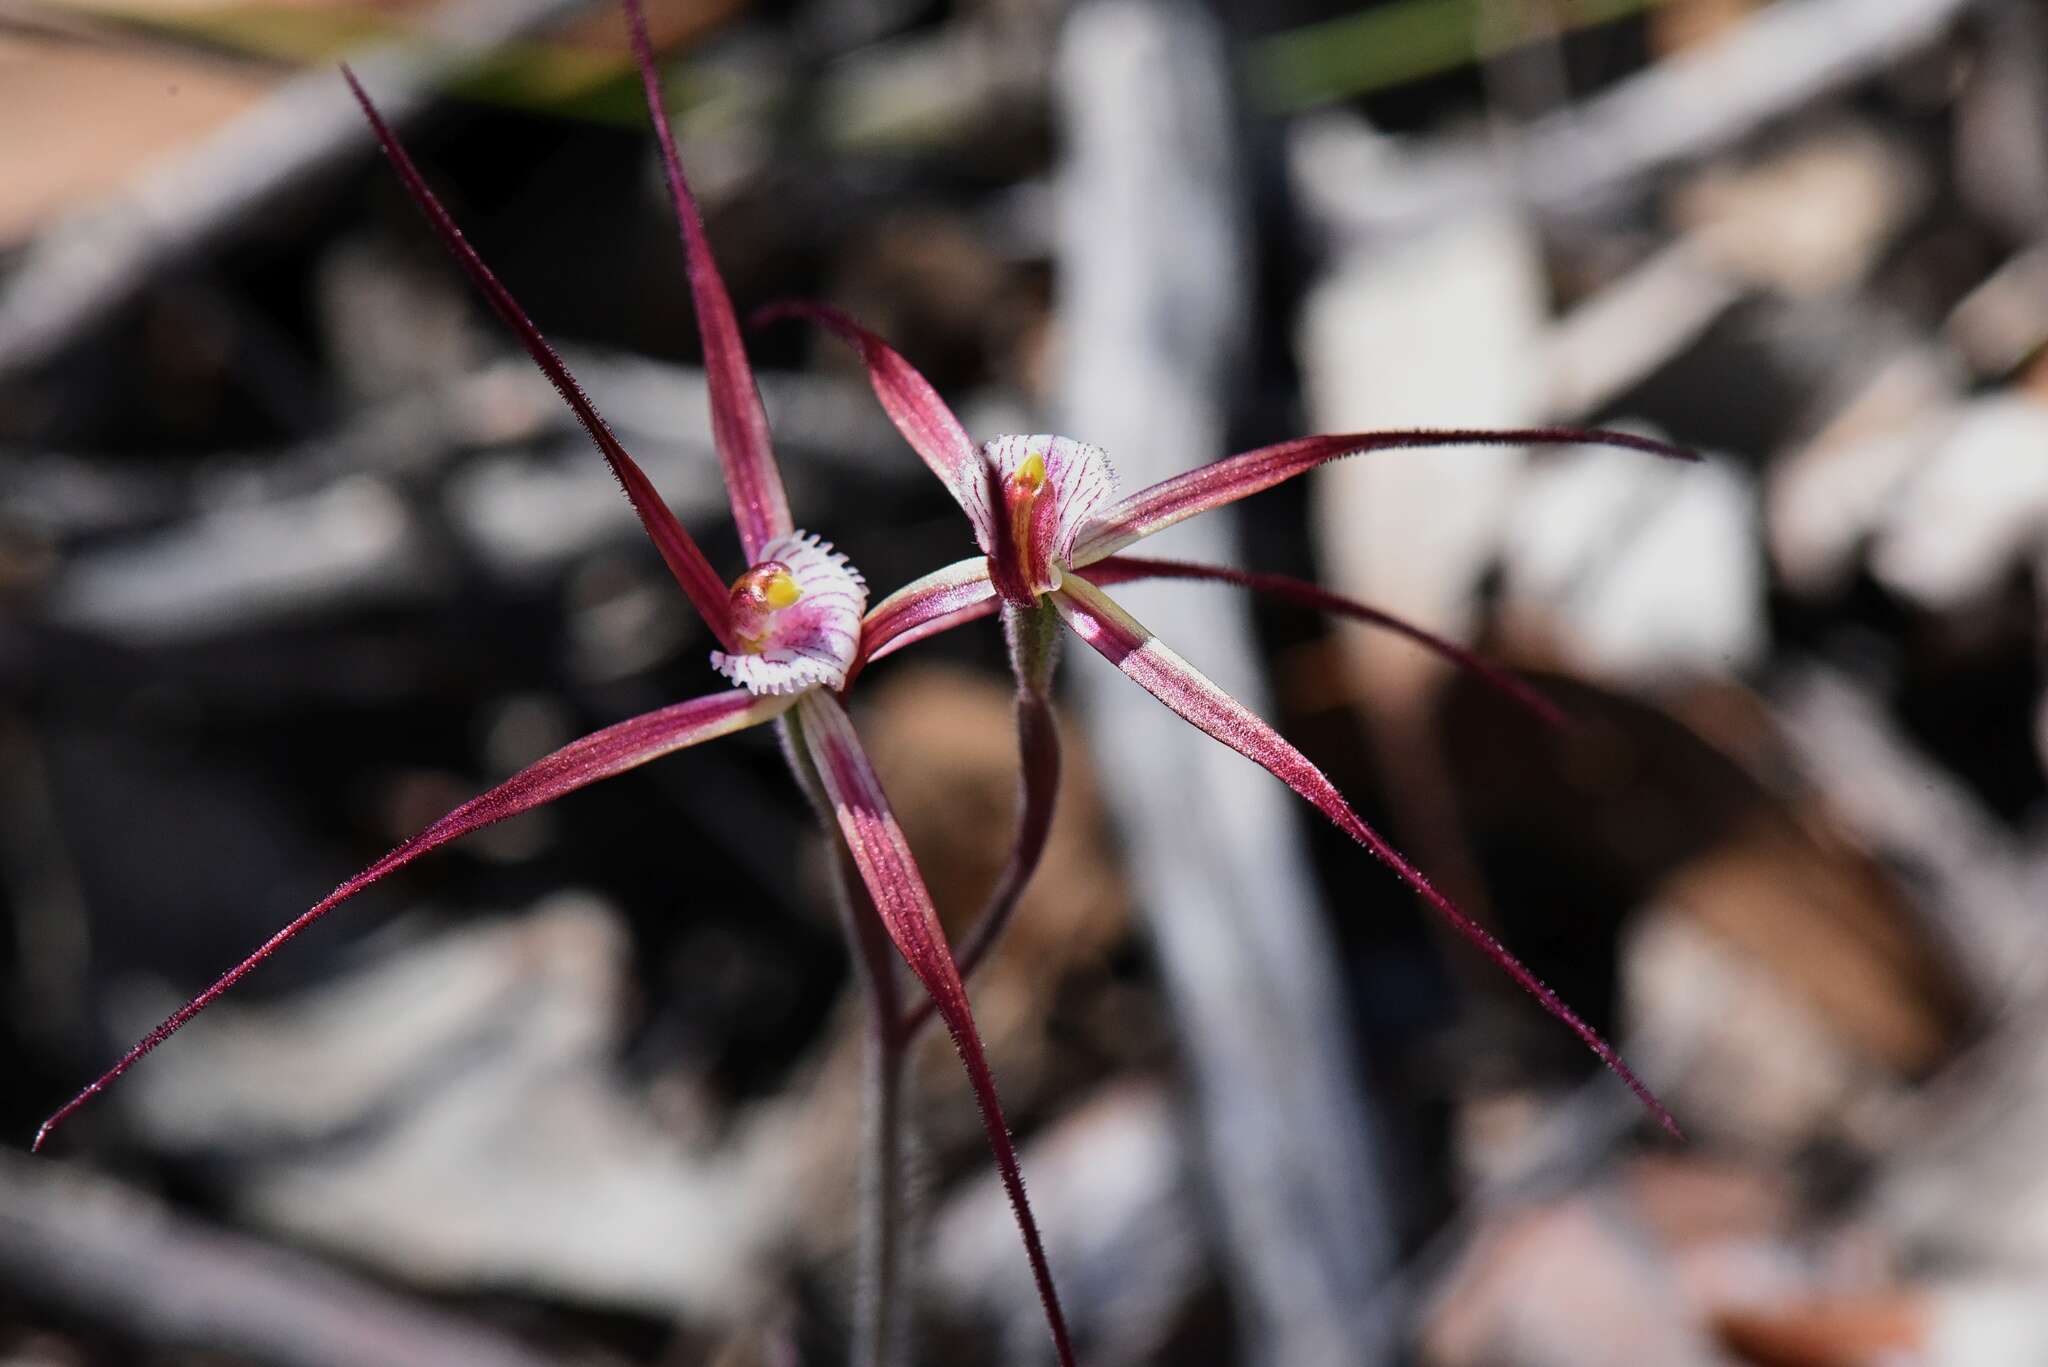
x,y
788,630
1051,529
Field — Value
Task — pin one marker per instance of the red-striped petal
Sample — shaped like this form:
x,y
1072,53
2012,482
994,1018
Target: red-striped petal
x,y
578,764
1125,643
883,857
1235,477
907,397
944,599
1128,569
706,591
739,424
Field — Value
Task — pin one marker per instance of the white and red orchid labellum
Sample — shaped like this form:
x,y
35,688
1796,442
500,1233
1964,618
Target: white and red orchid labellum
x,y
1049,489
795,618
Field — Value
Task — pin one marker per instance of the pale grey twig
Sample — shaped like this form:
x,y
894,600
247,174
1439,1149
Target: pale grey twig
x,y
1777,60
292,531
84,1247
1154,296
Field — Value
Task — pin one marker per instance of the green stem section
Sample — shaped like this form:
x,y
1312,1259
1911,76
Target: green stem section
x,y
879,1306
1033,634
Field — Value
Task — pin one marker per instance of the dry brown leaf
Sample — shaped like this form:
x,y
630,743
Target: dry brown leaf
x,y
1834,1333
1682,24
81,119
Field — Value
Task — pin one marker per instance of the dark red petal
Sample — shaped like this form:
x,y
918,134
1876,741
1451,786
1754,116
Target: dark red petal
x,y
883,857
1005,556
907,397
598,755
944,599
1235,477
1126,569
706,591
739,425
1155,668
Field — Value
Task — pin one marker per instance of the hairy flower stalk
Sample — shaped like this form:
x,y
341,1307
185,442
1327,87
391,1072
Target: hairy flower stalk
x,y
789,633
879,1302
1045,513
1033,636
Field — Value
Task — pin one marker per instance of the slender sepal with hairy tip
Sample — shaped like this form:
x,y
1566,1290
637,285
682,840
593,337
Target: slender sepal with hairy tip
x,y
907,397
739,424
578,764
1130,569
1147,661
1033,634
941,600
1225,481
892,879
700,582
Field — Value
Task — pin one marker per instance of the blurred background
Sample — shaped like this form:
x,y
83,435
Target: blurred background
x,y
297,552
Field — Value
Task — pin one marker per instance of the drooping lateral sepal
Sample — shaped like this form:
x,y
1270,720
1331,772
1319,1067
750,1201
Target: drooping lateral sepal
x,y
1131,569
599,755
1148,662
882,855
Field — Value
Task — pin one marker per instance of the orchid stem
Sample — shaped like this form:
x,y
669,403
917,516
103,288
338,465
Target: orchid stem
x,y
1033,634
879,1306
878,1332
